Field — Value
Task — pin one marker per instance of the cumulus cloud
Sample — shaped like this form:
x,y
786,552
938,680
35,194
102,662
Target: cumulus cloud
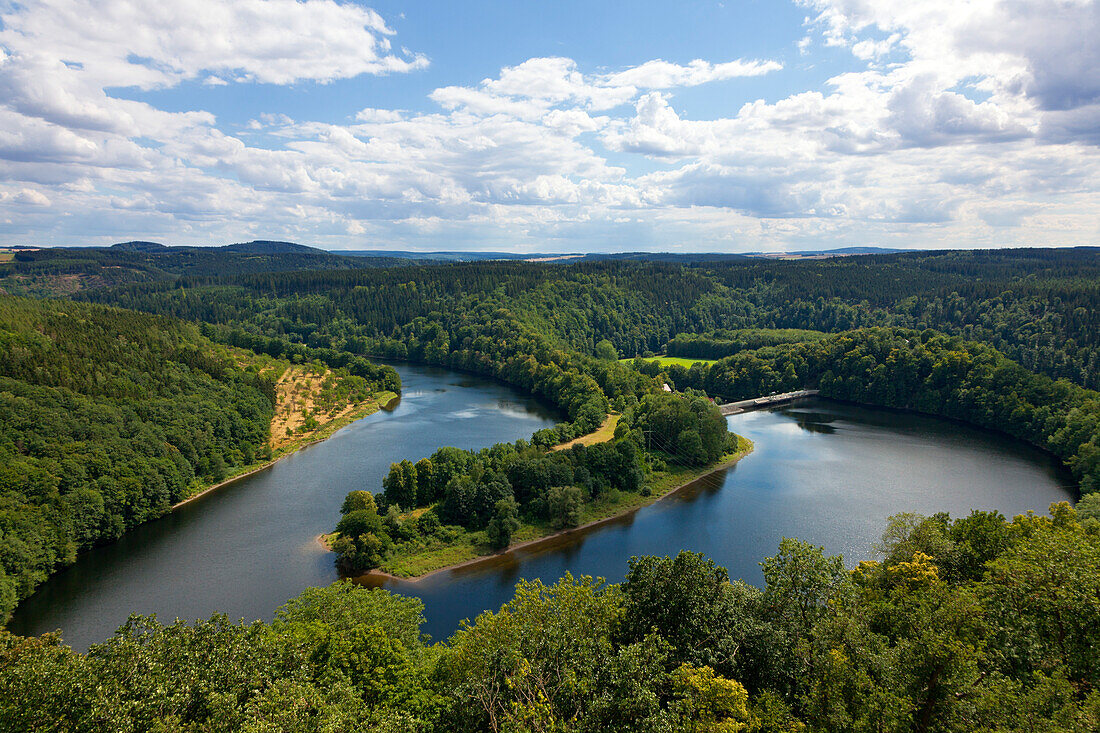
x,y
128,43
537,84
965,124
27,196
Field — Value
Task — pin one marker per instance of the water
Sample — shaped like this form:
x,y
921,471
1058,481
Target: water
x,y
825,472
249,546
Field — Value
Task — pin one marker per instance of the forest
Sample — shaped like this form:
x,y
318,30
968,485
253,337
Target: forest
x,y
121,400
961,626
107,418
60,271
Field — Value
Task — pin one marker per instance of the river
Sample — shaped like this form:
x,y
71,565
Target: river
x,y
825,472
247,547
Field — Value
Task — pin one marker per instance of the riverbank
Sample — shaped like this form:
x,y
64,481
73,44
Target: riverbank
x,y
471,547
322,433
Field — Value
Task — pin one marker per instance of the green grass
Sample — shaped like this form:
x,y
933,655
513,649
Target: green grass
x,y
601,435
670,360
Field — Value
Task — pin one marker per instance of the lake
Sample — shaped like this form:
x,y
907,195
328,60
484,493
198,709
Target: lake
x,y
251,545
825,472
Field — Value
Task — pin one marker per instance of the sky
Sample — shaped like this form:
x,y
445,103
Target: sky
x,y
551,127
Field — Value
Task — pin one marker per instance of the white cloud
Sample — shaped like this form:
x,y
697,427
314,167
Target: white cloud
x,y
26,196
660,74
121,43
956,126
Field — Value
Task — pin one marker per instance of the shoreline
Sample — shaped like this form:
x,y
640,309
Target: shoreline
x,y
331,429
383,575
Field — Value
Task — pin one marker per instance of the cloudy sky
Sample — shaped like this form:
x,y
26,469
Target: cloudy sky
x,y
551,127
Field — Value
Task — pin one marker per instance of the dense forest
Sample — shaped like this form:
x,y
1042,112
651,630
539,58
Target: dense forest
x,y
972,623
63,271
1036,306
107,418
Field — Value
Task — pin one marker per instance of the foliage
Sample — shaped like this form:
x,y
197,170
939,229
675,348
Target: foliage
x,y
488,490
965,624
1033,305
108,417
687,427
504,523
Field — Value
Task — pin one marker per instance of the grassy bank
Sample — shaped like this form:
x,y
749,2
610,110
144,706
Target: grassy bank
x,y
603,434
324,430
464,547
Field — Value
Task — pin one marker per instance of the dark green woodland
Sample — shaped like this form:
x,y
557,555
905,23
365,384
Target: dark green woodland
x,y
119,396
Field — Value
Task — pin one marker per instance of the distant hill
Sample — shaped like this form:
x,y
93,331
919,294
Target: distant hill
x,y
257,246
63,271
838,252
442,256
139,246
452,256
675,257
267,247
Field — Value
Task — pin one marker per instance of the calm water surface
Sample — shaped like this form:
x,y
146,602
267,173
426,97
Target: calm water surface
x,y
825,472
248,547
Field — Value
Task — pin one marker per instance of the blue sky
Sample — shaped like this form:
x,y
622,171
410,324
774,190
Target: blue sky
x,y
551,127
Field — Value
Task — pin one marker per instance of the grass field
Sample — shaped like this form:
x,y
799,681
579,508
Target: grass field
x,y
670,360
605,433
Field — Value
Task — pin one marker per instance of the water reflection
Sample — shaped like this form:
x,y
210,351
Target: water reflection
x,y
826,472
813,422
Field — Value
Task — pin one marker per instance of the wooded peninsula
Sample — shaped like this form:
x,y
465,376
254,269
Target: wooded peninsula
x,y
131,380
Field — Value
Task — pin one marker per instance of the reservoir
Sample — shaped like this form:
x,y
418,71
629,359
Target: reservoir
x,y
251,545
825,472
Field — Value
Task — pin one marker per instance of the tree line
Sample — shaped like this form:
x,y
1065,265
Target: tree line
x,y
972,623
1034,305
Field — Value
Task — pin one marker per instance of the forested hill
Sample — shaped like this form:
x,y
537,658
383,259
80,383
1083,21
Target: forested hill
x,y
1037,306
63,271
107,417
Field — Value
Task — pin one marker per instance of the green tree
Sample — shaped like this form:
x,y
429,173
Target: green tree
x,y
707,703
359,501
504,523
563,506
606,350
689,602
